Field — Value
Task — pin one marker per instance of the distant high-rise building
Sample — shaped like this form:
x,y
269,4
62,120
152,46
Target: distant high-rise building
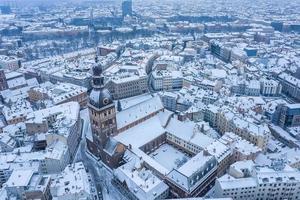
x,y
5,9
127,7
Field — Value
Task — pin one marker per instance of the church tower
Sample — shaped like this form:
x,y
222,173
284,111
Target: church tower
x,y
102,114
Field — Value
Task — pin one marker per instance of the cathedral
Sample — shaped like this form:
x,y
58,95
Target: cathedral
x,y
108,125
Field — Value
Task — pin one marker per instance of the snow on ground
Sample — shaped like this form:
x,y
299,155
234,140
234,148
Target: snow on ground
x,y
84,114
86,127
169,157
104,177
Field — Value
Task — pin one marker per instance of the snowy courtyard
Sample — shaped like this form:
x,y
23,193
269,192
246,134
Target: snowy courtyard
x,y
169,156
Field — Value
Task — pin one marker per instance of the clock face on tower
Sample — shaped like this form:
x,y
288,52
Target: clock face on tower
x,y
105,101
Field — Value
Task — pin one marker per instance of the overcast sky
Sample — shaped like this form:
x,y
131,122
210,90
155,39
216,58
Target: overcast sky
x,y
40,2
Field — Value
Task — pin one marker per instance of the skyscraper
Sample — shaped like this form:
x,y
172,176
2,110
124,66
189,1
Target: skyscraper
x,y
127,8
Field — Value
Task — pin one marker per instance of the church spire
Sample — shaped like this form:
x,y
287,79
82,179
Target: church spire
x,y
98,79
99,96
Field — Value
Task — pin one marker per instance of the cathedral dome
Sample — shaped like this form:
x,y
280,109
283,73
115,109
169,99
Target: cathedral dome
x,y
100,98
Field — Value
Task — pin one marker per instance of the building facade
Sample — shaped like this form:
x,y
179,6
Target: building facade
x,y
290,85
3,82
246,181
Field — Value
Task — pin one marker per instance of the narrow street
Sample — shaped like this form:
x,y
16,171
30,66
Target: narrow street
x,y
101,176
